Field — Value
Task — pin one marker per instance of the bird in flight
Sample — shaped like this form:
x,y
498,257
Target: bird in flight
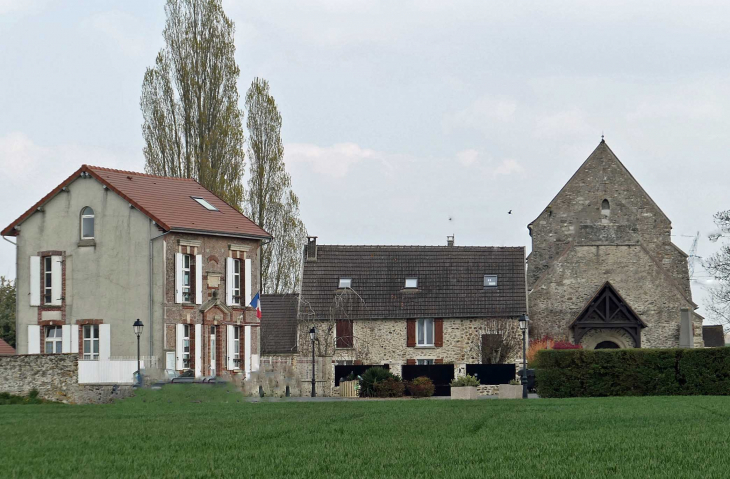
x,y
509,212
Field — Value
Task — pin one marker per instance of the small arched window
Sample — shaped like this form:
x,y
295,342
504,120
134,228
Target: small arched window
x,y
605,208
87,223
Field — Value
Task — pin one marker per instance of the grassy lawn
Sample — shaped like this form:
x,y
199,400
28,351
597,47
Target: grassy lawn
x,y
190,430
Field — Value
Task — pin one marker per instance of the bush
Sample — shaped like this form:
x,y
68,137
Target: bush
x,y
467,380
566,345
390,388
370,378
421,387
31,398
633,372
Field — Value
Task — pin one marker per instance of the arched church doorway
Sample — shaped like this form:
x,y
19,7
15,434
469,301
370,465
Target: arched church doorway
x,y
607,345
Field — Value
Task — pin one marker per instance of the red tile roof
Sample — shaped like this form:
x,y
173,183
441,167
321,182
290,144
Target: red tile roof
x,y
6,349
167,201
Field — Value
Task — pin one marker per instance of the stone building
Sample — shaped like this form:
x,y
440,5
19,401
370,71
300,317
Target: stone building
x,y
410,305
107,247
603,270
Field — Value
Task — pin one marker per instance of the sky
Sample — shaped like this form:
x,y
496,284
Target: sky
x,y
403,122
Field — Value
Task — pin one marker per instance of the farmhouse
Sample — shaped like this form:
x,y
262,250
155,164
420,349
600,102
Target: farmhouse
x,y
107,247
412,305
603,270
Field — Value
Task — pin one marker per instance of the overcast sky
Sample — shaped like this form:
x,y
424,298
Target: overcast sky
x,y
404,121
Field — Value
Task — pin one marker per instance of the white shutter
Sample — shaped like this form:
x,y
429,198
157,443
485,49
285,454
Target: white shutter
x,y
199,279
247,283
105,342
198,350
56,280
229,347
247,352
74,338
178,278
229,281
179,332
34,339
35,282
66,338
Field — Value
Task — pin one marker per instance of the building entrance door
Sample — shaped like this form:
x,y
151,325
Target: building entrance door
x,y
212,350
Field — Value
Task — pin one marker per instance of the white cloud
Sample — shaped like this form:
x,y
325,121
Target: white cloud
x,y
337,160
22,6
482,114
124,30
467,157
563,124
508,167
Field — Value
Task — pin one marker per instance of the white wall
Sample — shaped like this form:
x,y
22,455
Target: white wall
x,y
114,371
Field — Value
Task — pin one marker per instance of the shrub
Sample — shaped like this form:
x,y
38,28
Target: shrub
x,y
633,372
31,398
467,380
566,345
390,388
421,387
371,377
538,345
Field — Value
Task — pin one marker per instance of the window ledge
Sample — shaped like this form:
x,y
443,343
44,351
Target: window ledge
x,y
87,242
425,347
410,290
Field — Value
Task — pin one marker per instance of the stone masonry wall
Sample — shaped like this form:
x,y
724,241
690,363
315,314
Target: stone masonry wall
x,y
55,377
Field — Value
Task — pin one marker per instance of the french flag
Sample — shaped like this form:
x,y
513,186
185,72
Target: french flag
x,y
256,303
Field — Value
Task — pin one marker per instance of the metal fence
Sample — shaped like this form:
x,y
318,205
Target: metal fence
x,y
492,374
107,372
440,374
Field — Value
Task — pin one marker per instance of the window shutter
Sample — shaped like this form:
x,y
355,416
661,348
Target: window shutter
x,y
178,278
198,350
247,351
438,334
66,338
247,281
411,362
56,280
74,338
104,342
229,347
358,362
199,279
35,283
344,333
439,361
229,283
179,332
411,333
34,338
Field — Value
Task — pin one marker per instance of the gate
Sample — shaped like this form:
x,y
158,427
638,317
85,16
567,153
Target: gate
x,y
440,374
492,373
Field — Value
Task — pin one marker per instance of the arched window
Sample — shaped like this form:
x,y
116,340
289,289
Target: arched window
x,y
87,223
605,208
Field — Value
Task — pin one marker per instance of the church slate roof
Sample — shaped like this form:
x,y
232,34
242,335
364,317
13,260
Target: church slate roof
x,y
450,281
279,323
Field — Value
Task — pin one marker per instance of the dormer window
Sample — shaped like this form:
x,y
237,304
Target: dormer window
x,y
204,203
490,280
87,223
605,208
411,283
345,283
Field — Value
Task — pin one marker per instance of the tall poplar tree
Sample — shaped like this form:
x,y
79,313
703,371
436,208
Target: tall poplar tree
x,y
269,200
193,126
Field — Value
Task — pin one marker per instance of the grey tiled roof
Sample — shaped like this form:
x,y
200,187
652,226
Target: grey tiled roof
x,y
713,336
278,323
450,281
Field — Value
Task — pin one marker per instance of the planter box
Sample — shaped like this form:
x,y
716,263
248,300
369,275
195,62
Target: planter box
x,y
464,392
510,391
347,389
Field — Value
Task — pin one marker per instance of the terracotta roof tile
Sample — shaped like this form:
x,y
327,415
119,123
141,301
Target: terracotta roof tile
x,y
6,349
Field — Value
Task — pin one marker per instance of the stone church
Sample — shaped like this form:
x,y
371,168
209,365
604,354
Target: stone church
x,y
603,271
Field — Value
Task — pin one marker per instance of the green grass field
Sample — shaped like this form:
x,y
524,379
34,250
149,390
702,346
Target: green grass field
x,y
197,431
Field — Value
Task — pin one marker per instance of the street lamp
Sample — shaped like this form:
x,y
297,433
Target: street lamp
x,y
313,336
138,326
524,321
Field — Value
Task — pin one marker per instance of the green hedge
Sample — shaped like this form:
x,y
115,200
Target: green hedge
x,y
632,372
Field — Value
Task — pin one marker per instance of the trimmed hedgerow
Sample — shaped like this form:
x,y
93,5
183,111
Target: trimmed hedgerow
x,y
633,372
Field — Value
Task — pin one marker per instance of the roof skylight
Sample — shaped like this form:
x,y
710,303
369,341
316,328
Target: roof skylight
x,y
204,203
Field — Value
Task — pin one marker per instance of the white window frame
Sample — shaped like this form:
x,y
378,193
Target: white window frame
x,y
345,282
411,282
187,273
186,347
236,347
496,281
93,222
90,340
56,341
425,362
236,277
422,328
47,279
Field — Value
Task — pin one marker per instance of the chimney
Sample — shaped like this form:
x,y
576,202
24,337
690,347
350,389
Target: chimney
x,y
311,248
450,240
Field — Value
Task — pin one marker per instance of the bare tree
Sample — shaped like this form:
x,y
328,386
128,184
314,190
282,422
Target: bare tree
x,y
500,342
718,265
347,305
192,123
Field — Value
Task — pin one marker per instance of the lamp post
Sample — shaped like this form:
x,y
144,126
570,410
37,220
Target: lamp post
x,y
138,326
313,336
524,321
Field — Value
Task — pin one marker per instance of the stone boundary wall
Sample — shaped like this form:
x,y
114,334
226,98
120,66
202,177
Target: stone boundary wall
x,y
55,377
